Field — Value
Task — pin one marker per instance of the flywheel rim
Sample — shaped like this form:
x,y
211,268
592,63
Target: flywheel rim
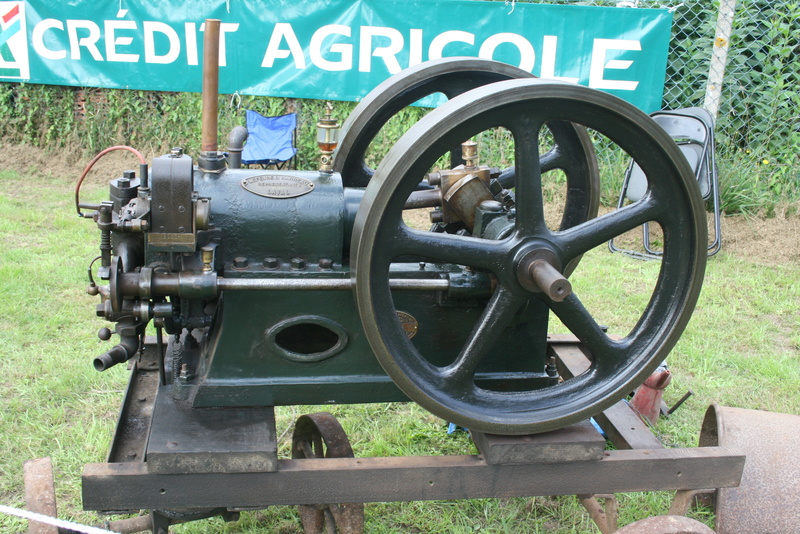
x,y
607,382
451,76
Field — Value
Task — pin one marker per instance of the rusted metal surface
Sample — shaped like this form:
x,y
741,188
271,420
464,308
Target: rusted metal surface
x,y
311,481
40,493
766,500
666,524
684,499
605,516
320,435
141,523
133,425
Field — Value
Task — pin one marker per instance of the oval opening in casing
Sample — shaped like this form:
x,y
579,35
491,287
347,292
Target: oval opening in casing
x,y
308,338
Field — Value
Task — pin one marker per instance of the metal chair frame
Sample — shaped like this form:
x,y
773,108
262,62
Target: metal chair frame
x,y
693,131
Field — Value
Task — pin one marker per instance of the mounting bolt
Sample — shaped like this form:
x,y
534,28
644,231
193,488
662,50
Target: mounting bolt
x,y
550,367
325,264
298,263
271,262
240,262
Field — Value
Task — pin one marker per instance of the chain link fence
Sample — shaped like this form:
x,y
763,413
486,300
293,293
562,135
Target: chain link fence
x,y
736,58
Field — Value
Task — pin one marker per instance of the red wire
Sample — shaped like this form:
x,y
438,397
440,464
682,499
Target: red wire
x,y
91,164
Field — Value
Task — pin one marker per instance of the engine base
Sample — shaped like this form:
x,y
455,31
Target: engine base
x,y
139,483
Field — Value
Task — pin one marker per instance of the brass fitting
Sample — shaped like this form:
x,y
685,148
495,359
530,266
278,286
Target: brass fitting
x,y
327,139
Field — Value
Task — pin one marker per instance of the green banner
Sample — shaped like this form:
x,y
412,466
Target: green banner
x,y
327,49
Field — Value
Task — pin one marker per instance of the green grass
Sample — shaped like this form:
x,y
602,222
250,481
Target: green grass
x,y
741,348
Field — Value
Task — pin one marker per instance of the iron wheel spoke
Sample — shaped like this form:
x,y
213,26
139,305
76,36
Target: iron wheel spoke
x,y
551,160
528,195
449,248
487,331
580,322
590,234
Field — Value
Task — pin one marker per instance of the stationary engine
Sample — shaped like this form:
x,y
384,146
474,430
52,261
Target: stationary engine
x,y
277,287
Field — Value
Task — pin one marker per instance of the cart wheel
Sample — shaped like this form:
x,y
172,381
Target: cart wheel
x,y
320,435
665,524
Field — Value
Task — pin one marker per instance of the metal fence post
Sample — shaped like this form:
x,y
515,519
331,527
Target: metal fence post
x,y
719,57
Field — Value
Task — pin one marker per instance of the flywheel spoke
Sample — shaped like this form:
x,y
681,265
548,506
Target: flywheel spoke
x,y
487,331
551,160
580,322
529,199
590,234
450,248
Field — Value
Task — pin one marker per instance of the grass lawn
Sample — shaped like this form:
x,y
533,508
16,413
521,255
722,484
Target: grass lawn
x,y
741,348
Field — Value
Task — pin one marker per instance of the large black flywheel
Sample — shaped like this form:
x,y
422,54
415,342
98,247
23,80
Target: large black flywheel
x,y
520,259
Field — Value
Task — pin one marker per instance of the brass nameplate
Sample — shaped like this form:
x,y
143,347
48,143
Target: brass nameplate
x,y
409,323
278,185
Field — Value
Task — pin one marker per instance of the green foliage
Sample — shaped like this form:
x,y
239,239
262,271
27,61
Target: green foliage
x,y
689,53
37,114
762,79
754,185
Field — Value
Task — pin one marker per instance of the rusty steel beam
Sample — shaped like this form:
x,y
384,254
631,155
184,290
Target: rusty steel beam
x,y
311,481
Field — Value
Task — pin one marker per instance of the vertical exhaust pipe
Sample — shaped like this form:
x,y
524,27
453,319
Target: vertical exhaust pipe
x,y
210,160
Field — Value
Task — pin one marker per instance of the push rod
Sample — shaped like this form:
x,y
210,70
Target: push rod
x,y
209,285
325,284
